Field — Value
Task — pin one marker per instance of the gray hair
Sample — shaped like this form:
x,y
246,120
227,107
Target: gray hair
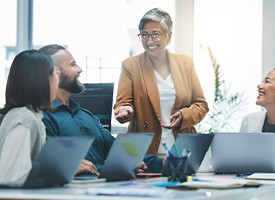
x,y
157,15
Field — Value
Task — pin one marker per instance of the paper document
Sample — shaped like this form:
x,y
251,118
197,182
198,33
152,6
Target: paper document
x,y
262,176
88,181
133,192
148,175
220,183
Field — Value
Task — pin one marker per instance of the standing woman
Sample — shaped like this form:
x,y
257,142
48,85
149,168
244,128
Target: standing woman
x,y
159,91
31,86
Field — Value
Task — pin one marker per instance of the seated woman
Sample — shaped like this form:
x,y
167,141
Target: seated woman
x,y
263,121
31,86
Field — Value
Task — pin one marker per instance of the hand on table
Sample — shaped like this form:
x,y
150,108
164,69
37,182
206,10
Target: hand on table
x,y
87,166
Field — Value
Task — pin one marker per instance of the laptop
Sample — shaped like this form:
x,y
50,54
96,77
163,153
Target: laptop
x,y
58,162
198,144
243,152
125,156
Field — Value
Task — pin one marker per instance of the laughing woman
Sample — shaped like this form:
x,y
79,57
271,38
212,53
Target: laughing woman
x,y
263,121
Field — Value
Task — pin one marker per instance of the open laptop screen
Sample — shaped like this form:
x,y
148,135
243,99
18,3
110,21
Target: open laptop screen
x,y
243,152
198,144
125,156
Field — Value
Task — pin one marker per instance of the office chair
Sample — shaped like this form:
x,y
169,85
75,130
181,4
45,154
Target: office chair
x,y
97,98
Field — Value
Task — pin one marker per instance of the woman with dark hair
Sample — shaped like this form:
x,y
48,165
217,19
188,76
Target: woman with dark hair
x,y
31,86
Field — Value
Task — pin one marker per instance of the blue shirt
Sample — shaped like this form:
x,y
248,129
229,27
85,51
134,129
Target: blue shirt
x,y
76,121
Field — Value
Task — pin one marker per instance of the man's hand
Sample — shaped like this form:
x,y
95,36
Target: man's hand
x,y
87,166
142,167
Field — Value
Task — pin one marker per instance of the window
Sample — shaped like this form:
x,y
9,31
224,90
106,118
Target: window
x,y
7,41
100,37
233,31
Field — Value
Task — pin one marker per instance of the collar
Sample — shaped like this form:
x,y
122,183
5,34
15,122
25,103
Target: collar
x,y
73,105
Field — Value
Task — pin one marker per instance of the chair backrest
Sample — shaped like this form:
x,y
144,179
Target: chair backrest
x,y
97,98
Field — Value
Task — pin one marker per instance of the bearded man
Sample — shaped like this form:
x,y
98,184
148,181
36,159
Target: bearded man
x,y
68,119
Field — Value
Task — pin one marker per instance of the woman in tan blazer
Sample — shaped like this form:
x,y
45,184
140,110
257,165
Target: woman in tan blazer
x,y
159,91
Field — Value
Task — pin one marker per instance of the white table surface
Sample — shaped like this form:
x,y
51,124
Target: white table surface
x,y
79,191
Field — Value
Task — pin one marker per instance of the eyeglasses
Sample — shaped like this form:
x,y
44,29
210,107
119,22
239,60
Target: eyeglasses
x,y
145,36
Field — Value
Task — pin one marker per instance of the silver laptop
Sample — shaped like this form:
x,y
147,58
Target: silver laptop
x,y
198,144
58,162
243,152
125,156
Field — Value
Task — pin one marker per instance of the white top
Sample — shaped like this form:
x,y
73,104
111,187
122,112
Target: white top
x,y
22,137
167,95
15,161
253,122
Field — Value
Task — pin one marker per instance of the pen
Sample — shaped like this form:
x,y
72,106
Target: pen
x,y
200,180
186,153
176,150
168,153
244,174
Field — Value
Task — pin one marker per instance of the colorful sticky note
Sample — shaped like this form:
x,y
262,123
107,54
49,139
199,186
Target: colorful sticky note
x,y
130,148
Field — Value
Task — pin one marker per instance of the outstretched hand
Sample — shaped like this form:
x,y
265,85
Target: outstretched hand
x,y
176,119
123,113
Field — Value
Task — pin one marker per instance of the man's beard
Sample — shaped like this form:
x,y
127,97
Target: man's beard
x,y
72,86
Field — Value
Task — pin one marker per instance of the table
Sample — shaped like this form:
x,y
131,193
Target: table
x,y
151,191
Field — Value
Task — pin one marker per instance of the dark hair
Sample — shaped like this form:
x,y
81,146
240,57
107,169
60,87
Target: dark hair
x,y
51,49
28,81
157,15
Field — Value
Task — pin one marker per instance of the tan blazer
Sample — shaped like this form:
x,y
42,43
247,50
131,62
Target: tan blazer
x,y
138,88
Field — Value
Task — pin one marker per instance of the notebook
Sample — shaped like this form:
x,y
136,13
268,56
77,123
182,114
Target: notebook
x,y
243,152
125,156
57,162
198,145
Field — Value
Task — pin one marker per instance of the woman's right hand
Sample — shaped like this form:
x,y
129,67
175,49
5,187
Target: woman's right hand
x,y
123,113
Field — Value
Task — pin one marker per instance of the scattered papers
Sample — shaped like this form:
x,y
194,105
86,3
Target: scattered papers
x,y
136,192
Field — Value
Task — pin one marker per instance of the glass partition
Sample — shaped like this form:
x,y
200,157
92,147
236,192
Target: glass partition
x,y
7,41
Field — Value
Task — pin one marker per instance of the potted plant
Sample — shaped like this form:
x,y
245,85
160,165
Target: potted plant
x,y
226,106
224,110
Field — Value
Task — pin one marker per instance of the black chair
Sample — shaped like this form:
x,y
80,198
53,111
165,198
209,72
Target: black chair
x,y
97,98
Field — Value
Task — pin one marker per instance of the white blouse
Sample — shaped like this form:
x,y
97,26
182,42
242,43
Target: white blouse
x,y
167,95
18,151
15,160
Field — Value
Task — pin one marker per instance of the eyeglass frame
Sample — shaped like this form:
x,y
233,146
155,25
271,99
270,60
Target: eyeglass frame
x,y
150,35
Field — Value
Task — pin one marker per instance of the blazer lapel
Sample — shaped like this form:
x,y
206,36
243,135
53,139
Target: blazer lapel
x,y
176,77
151,84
